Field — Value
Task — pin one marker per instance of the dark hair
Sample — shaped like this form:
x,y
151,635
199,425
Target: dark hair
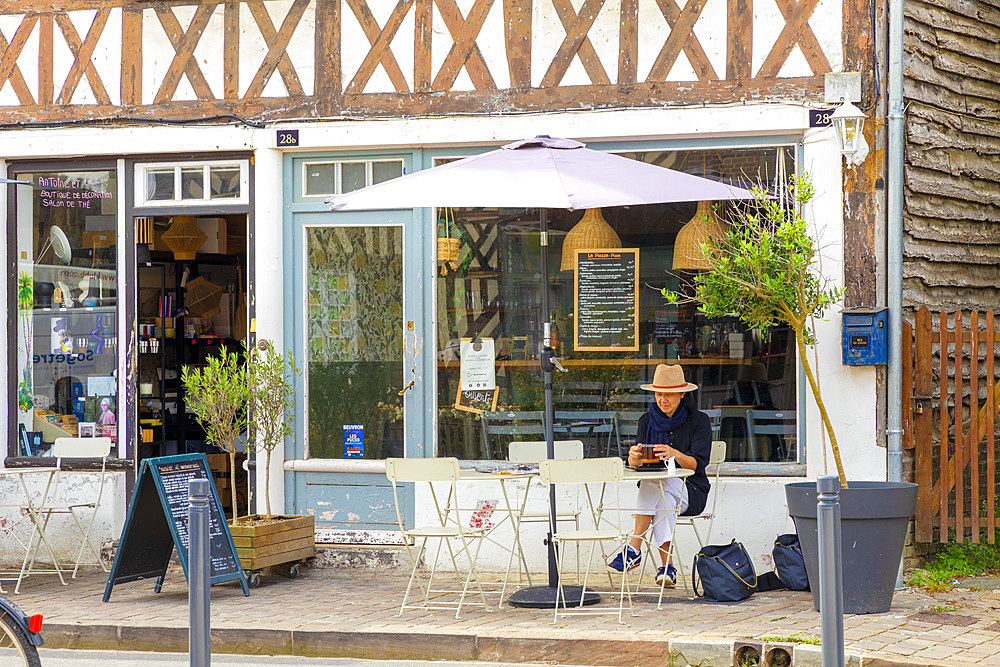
x,y
689,402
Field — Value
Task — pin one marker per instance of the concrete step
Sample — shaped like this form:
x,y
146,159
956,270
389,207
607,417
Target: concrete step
x,y
359,556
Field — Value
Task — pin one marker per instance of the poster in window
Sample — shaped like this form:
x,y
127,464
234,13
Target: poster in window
x,y
478,369
606,296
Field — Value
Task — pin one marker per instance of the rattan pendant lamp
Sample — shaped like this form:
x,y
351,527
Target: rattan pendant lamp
x,y
184,237
592,231
695,232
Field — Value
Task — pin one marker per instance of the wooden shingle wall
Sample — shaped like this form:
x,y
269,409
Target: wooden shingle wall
x,y
952,173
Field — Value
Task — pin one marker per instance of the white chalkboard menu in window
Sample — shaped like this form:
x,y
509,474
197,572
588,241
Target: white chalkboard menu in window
x,y
606,294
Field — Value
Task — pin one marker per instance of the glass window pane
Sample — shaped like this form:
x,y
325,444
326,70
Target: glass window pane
x,y
321,179
225,182
355,339
384,171
353,176
491,288
192,183
160,184
67,348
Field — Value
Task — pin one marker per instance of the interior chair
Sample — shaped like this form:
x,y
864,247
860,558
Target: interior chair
x,y
79,448
448,526
628,425
597,427
505,425
604,471
578,394
629,395
715,417
778,425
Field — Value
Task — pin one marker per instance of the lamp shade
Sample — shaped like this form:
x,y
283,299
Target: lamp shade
x,y
143,237
184,237
591,232
695,232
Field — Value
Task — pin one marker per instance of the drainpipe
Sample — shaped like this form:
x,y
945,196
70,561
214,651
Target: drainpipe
x,y
894,239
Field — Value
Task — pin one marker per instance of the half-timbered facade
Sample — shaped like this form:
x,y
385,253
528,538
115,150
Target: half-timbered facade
x,y
253,112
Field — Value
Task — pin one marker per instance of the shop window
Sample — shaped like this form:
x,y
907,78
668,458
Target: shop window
x,y
489,287
192,184
67,308
322,179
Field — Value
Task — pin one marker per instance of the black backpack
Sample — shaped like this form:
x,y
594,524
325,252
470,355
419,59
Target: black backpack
x,y
788,562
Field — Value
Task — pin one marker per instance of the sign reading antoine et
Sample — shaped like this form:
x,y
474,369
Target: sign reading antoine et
x,y
606,294
354,441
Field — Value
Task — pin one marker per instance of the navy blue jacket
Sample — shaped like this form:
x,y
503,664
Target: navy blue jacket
x,y
694,438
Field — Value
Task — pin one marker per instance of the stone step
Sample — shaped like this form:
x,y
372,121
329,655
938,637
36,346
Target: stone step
x,y
359,556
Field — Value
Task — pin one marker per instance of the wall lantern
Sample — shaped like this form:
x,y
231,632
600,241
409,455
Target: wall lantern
x,y
849,121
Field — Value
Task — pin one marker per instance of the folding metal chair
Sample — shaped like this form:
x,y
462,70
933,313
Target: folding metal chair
x,y
448,528
79,448
608,471
717,456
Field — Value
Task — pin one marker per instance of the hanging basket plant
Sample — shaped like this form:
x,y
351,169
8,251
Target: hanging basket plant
x,y
448,248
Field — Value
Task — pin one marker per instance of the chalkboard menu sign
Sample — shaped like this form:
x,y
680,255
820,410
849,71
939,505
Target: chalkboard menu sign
x,y
606,294
157,522
477,400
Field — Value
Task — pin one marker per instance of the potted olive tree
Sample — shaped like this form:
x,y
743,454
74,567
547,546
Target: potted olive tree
x,y
218,393
264,540
765,271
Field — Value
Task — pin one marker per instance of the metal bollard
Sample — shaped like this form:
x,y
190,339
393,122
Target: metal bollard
x,y
199,623
831,592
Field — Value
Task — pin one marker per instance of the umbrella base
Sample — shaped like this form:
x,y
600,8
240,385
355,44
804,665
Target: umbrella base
x,y
540,597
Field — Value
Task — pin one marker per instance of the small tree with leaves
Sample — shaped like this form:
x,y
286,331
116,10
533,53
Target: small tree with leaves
x,y
271,375
764,270
219,393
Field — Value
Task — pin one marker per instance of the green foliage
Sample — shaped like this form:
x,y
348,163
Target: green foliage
x,y
218,394
956,561
25,288
764,269
791,639
765,272
270,375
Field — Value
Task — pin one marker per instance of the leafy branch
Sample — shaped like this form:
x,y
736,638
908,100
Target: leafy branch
x,y
765,271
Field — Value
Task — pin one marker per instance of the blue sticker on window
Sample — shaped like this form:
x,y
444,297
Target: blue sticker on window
x,y
354,441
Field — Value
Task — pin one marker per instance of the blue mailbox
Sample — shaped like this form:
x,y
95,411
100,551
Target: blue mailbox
x,y
864,336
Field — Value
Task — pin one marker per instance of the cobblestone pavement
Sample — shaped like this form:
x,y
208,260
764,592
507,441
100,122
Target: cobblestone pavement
x,y
352,612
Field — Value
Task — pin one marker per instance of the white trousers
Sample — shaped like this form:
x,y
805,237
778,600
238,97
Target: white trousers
x,y
650,498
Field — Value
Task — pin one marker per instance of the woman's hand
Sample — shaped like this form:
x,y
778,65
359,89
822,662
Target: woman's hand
x,y
635,455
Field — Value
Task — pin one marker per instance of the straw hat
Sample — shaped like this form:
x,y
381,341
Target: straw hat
x,y
669,379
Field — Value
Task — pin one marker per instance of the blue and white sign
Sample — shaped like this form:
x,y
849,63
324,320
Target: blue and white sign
x,y
354,441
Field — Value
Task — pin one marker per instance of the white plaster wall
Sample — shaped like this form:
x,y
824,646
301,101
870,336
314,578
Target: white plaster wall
x,y
751,509
62,532
268,291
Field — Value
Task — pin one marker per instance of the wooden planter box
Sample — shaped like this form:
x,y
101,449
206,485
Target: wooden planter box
x,y
285,539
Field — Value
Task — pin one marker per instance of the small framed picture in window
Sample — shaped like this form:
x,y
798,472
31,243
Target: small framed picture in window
x,y
86,429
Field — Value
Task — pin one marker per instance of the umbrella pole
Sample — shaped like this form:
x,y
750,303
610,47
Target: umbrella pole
x,y
548,596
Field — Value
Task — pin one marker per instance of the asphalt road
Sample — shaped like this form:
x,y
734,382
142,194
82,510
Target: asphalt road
x,y
75,658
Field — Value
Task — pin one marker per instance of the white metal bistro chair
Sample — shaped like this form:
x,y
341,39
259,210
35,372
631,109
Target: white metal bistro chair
x,y
448,527
534,451
607,471
79,448
717,457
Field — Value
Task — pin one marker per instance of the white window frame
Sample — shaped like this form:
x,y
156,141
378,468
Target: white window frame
x,y
338,176
142,169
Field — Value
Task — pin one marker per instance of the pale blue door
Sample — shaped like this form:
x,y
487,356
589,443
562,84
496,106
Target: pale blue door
x,y
356,318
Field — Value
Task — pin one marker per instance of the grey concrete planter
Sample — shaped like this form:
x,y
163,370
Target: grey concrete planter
x,y
874,517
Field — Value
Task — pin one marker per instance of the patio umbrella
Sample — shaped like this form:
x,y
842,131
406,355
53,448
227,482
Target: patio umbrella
x,y
543,172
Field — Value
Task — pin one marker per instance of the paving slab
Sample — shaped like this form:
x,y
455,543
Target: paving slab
x,y
355,613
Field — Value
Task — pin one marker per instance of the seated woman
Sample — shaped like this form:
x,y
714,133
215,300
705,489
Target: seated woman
x,y
677,429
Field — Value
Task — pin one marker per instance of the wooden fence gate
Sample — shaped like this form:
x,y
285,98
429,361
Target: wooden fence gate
x,y
950,383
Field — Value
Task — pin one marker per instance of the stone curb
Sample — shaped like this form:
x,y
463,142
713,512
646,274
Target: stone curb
x,y
432,646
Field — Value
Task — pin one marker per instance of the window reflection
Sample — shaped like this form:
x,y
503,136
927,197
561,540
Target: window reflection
x,y
67,307
492,289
